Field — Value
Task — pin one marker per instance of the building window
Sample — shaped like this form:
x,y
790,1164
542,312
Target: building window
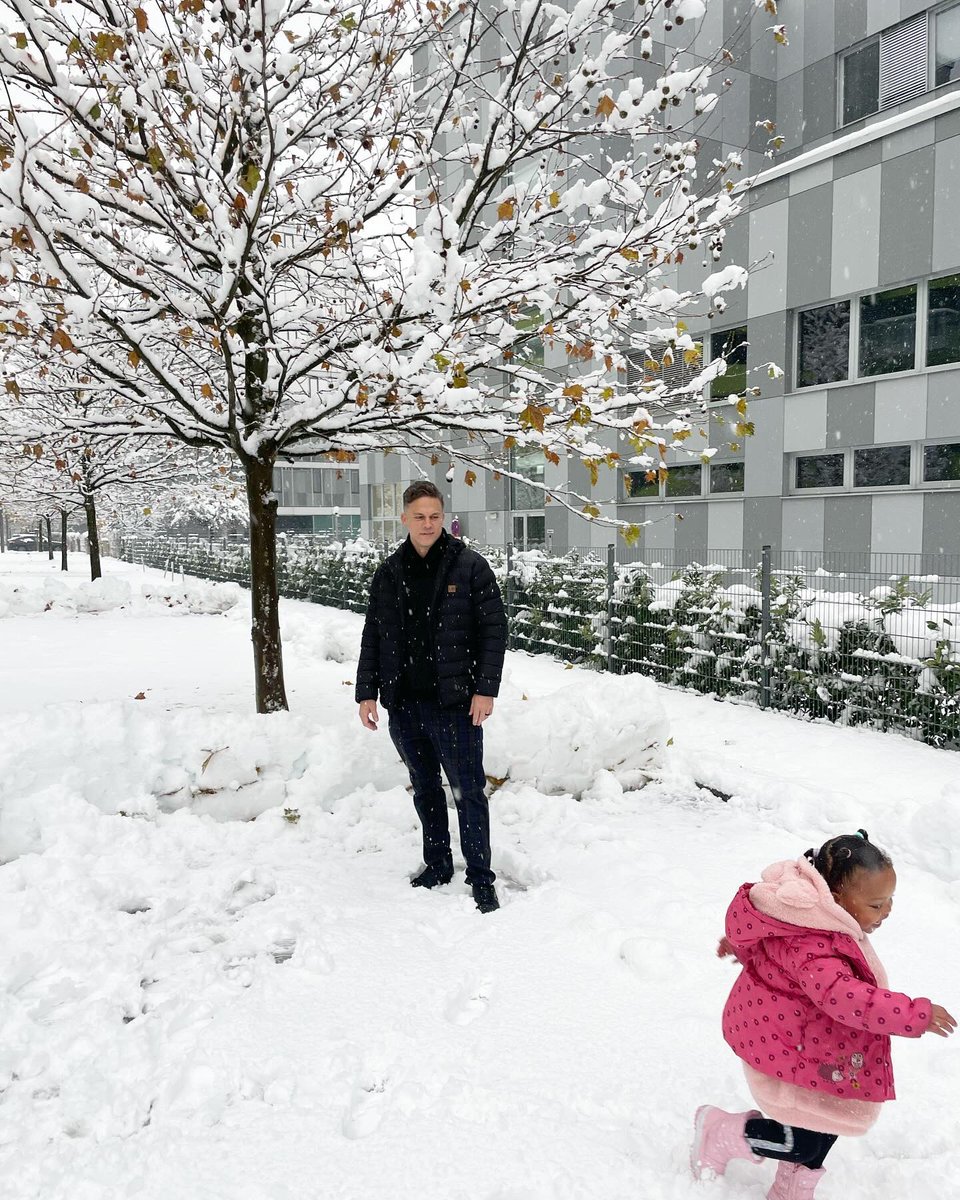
x,y
684,481
640,485
820,471
663,364
823,345
941,464
943,319
888,331
530,463
881,466
946,55
726,477
730,344
886,70
860,82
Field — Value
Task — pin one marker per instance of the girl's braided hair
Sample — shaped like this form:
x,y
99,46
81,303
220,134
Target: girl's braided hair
x,y
837,859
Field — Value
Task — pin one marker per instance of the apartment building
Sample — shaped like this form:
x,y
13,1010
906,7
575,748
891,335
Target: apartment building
x,y
854,224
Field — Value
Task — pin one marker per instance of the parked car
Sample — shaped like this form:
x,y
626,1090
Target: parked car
x,y
23,541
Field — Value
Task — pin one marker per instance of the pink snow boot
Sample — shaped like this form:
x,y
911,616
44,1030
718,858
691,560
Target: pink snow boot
x,y
718,1138
794,1182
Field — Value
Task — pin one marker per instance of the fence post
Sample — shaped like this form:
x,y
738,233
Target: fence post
x,y
508,590
765,597
611,582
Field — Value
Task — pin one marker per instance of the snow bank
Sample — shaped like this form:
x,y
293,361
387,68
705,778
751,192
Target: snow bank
x,y
66,597
132,760
610,727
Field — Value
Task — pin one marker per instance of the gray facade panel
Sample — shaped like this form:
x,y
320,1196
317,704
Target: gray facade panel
x,y
790,111
810,223
764,451
768,343
770,193
941,523
946,205
881,13
905,141
850,22
846,522
906,216
658,535
943,405
857,160
947,125
691,527
818,35
819,99
761,522
850,416
394,469
557,521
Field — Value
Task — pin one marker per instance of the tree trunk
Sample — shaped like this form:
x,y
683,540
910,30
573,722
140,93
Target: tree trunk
x,y
49,538
40,535
63,539
264,596
93,535
3,531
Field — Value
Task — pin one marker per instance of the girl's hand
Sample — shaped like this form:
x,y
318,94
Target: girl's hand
x,y
941,1023
724,949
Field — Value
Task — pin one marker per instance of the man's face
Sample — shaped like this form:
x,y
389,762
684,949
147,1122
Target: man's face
x,y
424,520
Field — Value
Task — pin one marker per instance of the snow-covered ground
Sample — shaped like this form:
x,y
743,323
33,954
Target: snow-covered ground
x,y
216,983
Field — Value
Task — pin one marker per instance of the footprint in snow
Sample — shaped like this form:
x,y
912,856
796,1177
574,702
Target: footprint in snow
x,y
250,888
366,1108
469,1001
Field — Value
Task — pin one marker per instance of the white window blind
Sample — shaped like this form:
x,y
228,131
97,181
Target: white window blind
x,y
648,366
903,61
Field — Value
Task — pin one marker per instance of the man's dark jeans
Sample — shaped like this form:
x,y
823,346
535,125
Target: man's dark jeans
x,y
429,737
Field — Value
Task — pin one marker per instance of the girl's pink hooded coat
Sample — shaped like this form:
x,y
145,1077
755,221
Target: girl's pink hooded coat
x,y
810,1014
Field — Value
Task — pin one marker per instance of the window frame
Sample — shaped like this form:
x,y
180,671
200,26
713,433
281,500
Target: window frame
x,y
935,484
933,16
854,374
842,57
916,483
705,491
708,339
930,17
794,488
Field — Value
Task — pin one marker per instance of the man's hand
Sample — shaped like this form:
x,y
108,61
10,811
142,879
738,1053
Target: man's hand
x,y
368,714
480,708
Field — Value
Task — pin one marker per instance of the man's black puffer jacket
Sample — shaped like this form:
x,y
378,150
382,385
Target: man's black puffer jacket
x,y
468,622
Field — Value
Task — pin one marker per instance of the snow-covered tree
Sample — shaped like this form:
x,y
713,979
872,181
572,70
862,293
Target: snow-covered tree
x,y
305,227
57,456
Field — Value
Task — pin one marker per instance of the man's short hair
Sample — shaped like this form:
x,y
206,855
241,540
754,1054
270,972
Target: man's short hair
x,y
421,490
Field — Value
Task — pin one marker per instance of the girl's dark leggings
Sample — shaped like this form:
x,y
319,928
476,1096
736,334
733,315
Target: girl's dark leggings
x,y
789,1143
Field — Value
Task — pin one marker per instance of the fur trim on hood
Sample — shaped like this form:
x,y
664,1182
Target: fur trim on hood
x,y
797,894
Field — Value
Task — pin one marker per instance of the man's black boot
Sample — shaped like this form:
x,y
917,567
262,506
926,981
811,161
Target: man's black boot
x,y
485,896
435,875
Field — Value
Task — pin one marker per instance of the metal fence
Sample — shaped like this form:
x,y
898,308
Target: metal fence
x,y
857,639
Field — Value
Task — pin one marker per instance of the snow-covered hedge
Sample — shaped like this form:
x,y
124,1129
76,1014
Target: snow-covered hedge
x,y
888,658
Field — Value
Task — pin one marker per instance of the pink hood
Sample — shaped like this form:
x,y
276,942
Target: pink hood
x,y
795,893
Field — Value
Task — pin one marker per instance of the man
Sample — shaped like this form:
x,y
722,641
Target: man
x,y
432,650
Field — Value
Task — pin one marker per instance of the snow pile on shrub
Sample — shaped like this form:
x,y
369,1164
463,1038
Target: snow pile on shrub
x,y
67,596
612,724
916,631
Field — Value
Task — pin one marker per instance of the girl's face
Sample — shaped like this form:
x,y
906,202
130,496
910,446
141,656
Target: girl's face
x,y
868,896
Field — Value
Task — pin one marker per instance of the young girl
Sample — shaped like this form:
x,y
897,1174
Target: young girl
x,y
810,1013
